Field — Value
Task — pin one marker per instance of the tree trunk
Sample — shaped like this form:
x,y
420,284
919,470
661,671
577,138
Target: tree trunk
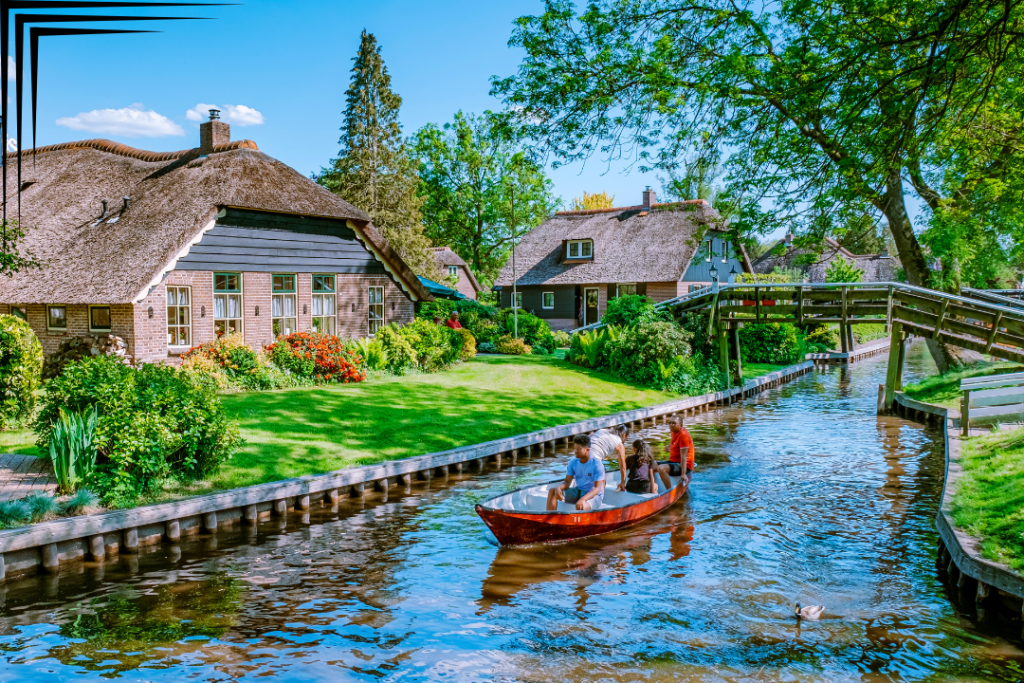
x,y
915,265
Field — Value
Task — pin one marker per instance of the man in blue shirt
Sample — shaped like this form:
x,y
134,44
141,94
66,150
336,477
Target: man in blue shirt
x,y
588,493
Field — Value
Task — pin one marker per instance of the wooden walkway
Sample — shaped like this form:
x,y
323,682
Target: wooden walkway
x,y
23,475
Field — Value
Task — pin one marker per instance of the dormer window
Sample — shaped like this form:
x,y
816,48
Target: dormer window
x,y
579,249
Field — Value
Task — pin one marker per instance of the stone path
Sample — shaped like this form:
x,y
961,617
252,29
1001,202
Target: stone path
x,y
22,475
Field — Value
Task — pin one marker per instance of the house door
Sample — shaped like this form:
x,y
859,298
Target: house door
x,y
590,306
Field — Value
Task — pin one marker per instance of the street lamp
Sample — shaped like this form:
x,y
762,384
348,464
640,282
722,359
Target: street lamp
x,y
714,278
732,275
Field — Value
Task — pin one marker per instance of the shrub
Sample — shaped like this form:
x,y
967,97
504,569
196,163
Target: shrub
x,y
398,351
820,338
698,325
561,339
636,352
512,346
39,506
487,331
373,354
21,368
632,309
78,503
486,347
321,357
468,344
153,421
589,349
235,364
14,513
437,347
71,448
841,270
689,375
769,343
531,329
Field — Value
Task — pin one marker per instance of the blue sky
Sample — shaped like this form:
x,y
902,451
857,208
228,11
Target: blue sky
x,y
287,64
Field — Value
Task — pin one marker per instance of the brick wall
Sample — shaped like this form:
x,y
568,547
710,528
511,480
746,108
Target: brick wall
x,y
121,322
662,291
257,330
464,286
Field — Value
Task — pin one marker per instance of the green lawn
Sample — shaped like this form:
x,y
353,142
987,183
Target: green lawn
x,y
989,502
304,431
752,370
944,390
21,441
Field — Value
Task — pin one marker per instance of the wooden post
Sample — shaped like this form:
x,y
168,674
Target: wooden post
x,y
994,332
723,352
131,540
965,413
888,309
303,502
895,366
172,530
251,515
280,508
97,548
210,522
849,331
902,357
51,559
757,304
942,317
735,332
843,331
799,305
356,490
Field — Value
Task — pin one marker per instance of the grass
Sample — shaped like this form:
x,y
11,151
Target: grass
x,y
752,370
21,441
944,390
989,502
305,431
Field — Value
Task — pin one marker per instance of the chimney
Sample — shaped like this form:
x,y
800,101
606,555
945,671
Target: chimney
x,y
789,240
212,133
649,198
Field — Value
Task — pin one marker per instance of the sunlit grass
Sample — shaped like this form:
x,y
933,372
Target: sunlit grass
x,y
989,502
944,389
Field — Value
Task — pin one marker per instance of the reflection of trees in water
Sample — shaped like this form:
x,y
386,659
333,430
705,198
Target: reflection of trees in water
x,y
162,616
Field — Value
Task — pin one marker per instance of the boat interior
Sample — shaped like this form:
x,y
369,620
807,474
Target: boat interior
x,y
535,498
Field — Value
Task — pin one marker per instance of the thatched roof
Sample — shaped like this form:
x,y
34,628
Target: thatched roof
x,y
173,196
876,267
630,245
446,257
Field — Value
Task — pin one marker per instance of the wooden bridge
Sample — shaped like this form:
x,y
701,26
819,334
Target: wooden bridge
x,y
990,324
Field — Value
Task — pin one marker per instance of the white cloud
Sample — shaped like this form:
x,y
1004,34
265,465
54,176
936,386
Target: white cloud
x,y
237,114
11,68
133,121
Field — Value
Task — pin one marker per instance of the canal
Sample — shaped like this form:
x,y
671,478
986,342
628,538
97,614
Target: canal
x,y
801,494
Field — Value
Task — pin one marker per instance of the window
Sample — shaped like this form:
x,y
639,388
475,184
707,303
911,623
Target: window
x,y
227,303
517,299
625,289
323,304
695,288
99,318
548,300
376,309
453,271
579,249
19,312
282,305
56,318
179,316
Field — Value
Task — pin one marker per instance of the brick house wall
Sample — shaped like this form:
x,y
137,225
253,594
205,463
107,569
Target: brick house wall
x,y
146,334
464,286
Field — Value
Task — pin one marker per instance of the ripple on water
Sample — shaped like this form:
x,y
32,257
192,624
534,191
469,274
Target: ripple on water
x,y
802,494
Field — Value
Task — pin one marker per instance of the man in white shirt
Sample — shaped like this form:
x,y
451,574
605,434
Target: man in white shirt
x,y
605,442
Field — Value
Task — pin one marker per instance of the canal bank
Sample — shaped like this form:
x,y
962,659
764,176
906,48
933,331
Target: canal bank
x,y
801,494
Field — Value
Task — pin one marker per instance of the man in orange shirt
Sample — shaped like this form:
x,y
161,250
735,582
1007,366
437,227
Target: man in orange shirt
x,y
453,322
681,440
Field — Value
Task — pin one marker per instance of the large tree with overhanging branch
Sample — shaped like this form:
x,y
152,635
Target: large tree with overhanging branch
x,y
818,107
480,189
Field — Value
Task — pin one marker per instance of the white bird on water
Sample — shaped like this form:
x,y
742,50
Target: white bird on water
x,y
811,612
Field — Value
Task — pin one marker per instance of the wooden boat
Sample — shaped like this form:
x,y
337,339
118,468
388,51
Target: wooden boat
x,y
522,516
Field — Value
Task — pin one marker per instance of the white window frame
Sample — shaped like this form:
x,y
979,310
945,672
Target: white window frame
x,y
620,285
110,316
374,322
279,301
227,296
176,308
544,300
517,299
325,299
49,318
582,245
453,271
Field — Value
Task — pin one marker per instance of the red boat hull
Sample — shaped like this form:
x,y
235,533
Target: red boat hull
x,y
518,528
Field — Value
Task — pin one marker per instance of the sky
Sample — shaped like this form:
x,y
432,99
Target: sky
x,y
279,70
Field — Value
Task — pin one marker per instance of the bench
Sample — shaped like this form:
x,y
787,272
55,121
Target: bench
x,y
991,396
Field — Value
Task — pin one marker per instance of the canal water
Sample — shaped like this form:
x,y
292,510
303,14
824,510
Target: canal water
x,y
801,495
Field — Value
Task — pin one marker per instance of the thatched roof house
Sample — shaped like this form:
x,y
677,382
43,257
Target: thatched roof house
x,y
567,268
116,226
877,267
451,264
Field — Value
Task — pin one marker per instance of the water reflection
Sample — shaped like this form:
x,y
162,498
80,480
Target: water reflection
x,y
801,494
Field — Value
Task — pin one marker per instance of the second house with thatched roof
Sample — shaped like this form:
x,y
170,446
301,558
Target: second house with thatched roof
x,y
170,250
567,269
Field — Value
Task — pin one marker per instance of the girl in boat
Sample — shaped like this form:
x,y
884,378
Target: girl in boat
x,y
642,470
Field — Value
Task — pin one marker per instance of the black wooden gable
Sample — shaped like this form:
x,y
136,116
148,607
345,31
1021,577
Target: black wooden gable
x,y
244,240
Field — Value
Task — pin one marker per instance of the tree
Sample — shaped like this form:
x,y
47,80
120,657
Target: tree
x,y
841,270
824,106
470,176
597,200
12,257
373,170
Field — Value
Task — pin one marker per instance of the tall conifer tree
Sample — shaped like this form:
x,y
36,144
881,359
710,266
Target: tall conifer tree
x,y
373,170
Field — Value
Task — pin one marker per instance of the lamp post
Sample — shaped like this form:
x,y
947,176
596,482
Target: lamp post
x,y
714,278
732,275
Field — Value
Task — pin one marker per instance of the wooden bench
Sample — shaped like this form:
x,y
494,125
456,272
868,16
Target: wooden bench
x,y
991,396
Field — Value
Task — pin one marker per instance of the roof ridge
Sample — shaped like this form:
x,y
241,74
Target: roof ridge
x,y
637,207
120,149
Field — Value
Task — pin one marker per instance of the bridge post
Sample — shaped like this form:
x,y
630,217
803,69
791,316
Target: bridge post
x,y
723,351
894,377
734,332
844,328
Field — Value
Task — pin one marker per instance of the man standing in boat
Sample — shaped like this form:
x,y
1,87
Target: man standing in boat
x,y
588,471
605,442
